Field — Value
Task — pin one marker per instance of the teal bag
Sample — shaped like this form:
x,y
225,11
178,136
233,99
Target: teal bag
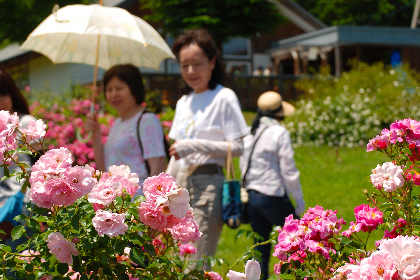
x,y
232,208
11,208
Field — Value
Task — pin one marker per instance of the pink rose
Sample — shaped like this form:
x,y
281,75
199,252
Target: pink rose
x,y
60,192
124,171
369,217
188,249
152,216
406,253
35,131
61,248
111,224
38,195
157,186
187,230
213,275
102,193
176,202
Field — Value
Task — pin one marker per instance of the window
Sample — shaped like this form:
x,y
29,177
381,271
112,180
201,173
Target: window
x,y
237,47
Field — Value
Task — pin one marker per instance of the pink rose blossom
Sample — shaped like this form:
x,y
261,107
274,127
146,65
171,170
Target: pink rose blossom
x,y
406,253
35,131
124,171
211,275
187,230
103,193
369,217
176,202
111,224
61,248
60,192
388,177
152,216
187,249
352,229
38,195
158,186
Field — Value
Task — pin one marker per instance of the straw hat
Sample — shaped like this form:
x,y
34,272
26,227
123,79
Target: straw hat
x,y
271,100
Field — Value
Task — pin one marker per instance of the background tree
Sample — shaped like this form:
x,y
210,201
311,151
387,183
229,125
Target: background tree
x,y
361,12
223,18
19,17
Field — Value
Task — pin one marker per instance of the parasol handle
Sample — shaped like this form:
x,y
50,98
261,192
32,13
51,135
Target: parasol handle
x,y
92,104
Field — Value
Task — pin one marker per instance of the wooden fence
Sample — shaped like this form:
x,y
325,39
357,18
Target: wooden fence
x,y
247,88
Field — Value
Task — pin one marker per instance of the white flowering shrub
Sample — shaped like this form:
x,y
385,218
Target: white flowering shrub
x,y
350,110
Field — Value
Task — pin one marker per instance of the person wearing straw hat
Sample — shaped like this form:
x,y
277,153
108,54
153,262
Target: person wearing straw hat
x,y
269,171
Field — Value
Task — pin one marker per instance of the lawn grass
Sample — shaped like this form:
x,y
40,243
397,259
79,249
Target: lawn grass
x,y
333,179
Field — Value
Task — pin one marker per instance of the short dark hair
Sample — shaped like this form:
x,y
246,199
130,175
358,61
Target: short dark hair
x,y
203,39
129,74
8,87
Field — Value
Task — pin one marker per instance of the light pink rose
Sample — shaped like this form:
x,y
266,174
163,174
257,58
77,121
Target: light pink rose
x,y
61,248
158,186
124,171
176,202
111,224
53,162
38,195
252,272
152,216
102,193
35,131
406,253
81,179
388,177
60,192
187,230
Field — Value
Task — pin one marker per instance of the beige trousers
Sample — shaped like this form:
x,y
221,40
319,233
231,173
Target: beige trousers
x,y
206,200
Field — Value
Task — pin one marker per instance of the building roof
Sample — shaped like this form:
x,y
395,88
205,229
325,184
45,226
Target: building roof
x,y
298,15
349,35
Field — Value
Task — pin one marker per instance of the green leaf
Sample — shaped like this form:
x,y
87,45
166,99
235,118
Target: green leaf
x,y
287,276
5,248
137,255
75,222
284,267
120,246
34,225
31,277
103,258
17,232
28,267
62,268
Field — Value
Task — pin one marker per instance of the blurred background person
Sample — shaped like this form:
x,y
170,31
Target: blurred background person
x,y
207,119
270,175
12,100
125,92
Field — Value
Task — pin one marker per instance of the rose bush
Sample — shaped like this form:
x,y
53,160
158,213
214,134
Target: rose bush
x,y
317,246
96,228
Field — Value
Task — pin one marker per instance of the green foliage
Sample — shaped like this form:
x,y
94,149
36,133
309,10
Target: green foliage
x,y
19,18
361,12
222,18
350,110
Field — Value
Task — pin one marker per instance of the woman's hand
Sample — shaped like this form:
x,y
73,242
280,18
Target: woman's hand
x,y
92,124
173,152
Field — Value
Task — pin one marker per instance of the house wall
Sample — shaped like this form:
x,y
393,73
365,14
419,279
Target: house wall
x,y
44,75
